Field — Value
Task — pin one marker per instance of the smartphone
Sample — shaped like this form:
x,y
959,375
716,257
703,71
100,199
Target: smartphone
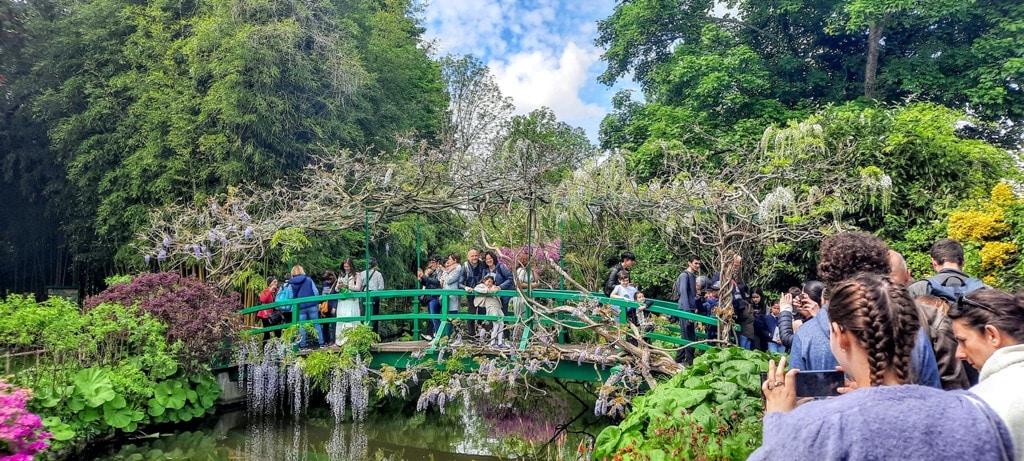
x,y
819,383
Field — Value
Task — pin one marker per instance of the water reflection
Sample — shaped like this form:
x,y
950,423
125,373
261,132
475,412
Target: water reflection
x,y
244,437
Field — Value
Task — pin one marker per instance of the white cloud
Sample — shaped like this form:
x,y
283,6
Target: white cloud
x,y
537,78
541,51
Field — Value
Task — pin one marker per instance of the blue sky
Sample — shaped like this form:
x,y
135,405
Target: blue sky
x,y
541,52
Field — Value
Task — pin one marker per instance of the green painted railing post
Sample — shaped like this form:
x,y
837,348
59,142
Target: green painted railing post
x,y
416,300
367,306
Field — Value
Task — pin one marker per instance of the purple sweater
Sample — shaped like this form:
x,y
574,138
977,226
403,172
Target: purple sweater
x,y
889,422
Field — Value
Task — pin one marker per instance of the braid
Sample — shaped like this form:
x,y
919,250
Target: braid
x,y
906,323
877,340
882,318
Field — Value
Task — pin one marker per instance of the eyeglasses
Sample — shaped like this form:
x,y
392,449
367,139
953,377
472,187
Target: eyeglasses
x,y
965,302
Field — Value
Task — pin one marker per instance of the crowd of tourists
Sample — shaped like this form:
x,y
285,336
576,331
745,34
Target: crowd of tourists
x,y
941,358
933,368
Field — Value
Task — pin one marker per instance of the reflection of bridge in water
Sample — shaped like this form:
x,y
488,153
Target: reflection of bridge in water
x,y
538,333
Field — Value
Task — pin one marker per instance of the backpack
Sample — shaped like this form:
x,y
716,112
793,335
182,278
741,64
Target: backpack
x,y
284,294
953,293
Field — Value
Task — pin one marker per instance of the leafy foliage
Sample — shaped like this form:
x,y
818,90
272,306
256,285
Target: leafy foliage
x,y
713,409
109,369
197,316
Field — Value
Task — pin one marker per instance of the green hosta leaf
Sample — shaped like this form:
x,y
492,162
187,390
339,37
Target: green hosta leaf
x,y
61,431
672,401
88,415
191,395
94,386
725,391
607,442
738,367
118,418
155,407
171,394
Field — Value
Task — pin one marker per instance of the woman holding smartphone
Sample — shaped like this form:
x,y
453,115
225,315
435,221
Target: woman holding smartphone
x,y
873,329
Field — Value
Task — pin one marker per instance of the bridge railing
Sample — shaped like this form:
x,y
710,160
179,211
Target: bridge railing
x,y
559,296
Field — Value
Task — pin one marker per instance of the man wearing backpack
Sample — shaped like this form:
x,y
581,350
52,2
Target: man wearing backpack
x,y
949,283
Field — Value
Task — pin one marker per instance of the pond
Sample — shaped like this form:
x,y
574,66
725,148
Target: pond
x,y
517,429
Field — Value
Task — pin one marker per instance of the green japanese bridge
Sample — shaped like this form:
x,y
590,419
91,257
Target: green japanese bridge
x,y
402,354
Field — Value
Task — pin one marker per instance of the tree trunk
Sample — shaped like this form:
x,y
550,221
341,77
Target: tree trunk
x,y
871,67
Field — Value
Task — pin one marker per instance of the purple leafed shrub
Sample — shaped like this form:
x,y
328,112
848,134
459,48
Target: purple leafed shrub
x,y
196,313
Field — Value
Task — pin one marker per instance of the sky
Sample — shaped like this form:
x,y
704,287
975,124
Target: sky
x,y
541,52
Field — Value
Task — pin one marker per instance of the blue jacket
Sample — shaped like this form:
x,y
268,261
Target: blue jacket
x,y
861,425
811,351
303,287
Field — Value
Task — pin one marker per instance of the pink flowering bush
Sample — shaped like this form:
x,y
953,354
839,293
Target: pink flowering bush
x,y
21,435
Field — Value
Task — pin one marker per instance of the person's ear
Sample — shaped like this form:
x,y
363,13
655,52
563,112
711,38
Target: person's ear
x,y
841,336
993,336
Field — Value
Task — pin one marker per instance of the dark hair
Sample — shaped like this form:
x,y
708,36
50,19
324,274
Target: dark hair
x,y
764,299
271,280
947,251
814,290
456,257
845,254
883,319
692,258
1002,310
623,275
628,256
373,262
794,291
494,257
351,267
434,258
329,276
488,277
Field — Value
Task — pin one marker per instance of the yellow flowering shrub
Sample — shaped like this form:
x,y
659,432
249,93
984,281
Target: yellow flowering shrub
x,y
995,254
977,225
1003,196
991,281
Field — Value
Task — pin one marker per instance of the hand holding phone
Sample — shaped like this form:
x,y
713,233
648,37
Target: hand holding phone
x,y
819,383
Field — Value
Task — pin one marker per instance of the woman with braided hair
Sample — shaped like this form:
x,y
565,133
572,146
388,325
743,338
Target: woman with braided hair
x,y
873,328
989,329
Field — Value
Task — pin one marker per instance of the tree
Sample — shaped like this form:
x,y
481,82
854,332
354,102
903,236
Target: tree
x,y
476,108
144,105
955,53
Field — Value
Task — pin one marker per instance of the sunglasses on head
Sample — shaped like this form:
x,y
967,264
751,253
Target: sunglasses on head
x,y
964,301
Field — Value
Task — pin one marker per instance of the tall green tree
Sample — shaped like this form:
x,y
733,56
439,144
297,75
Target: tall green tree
x,y
144,104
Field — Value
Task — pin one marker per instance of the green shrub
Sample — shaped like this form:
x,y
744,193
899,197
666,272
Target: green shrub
x,y
710,411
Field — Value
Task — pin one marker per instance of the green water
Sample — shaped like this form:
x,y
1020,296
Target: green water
x,y
387,434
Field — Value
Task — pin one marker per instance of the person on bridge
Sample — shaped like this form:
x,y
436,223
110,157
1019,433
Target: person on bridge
x,y
492,306
376,284
430,280
451,279
303,287
686,287
346,307
626,262
502,276
473,271
267,316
